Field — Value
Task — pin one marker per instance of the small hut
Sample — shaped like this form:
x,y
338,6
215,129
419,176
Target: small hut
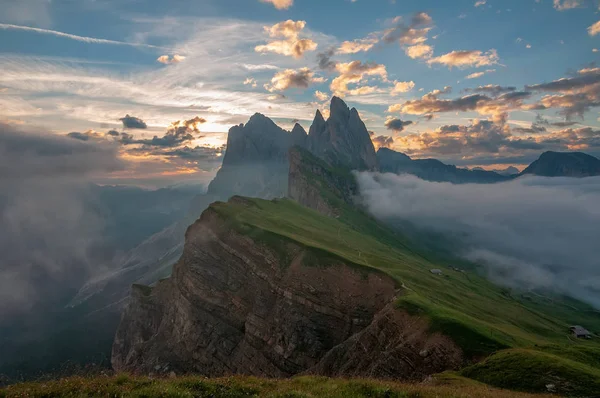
x,y
436,271
580,332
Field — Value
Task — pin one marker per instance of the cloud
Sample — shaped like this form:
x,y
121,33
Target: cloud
x,y
293,78
77,94
411,36
132,122
594,29
402,87
175,59
83,39
381,141
577,94
324,60
562,5
354,73
480,3
491,89
419,51
432,104
466,59
397,124
250,82
359,45
280,4
291,44
529,233
477,75
48,226
494,102
321,96
83,136
179,133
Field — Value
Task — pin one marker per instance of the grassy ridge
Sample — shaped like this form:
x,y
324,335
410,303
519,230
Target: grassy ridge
x,y
480,316
245,387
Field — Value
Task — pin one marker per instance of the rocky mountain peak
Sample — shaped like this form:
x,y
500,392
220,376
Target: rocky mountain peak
x,y
338,109
299,135
343,138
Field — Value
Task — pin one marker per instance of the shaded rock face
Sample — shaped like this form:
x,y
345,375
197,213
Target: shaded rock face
x,y
256,162
234,306
564,164
342,139
309,177
395,343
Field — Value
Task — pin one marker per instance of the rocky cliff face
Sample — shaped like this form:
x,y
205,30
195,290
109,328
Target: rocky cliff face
x,y
342,139
260,304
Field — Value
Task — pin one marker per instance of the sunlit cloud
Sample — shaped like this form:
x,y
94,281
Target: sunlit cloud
x,y
290,78
562,5
402,87
354,73
356,46
594,29
466,59
175,59
291,44
280,4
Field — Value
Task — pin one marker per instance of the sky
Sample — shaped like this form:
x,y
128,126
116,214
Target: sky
x,y
476,83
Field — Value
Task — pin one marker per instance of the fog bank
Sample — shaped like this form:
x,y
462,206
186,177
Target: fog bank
x,y
48,224
532,232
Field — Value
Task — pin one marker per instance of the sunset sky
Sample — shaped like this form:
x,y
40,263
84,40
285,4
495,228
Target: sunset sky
x,y
487,83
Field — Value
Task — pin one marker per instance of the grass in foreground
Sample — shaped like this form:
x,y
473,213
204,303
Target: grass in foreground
x,y
527,370
238,387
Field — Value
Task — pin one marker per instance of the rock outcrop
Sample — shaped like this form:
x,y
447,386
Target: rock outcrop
x,y
256,161
343,139
245,301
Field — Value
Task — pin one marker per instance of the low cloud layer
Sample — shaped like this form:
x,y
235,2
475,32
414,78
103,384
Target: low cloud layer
x,y
48,226
531,232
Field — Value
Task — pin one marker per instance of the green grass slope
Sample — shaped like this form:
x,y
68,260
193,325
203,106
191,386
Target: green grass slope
x,y
246,387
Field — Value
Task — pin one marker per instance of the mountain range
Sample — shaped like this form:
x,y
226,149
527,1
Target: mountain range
x,y
276,287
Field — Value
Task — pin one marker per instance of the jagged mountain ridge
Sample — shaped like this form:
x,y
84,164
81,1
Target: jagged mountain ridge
x,y
255,164
343,139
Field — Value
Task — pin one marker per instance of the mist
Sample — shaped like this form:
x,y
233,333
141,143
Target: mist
x,y
528,233
49,225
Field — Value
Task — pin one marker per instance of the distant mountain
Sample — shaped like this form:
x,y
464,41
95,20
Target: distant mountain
x,y
509,171
432,169
564,164
343,139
